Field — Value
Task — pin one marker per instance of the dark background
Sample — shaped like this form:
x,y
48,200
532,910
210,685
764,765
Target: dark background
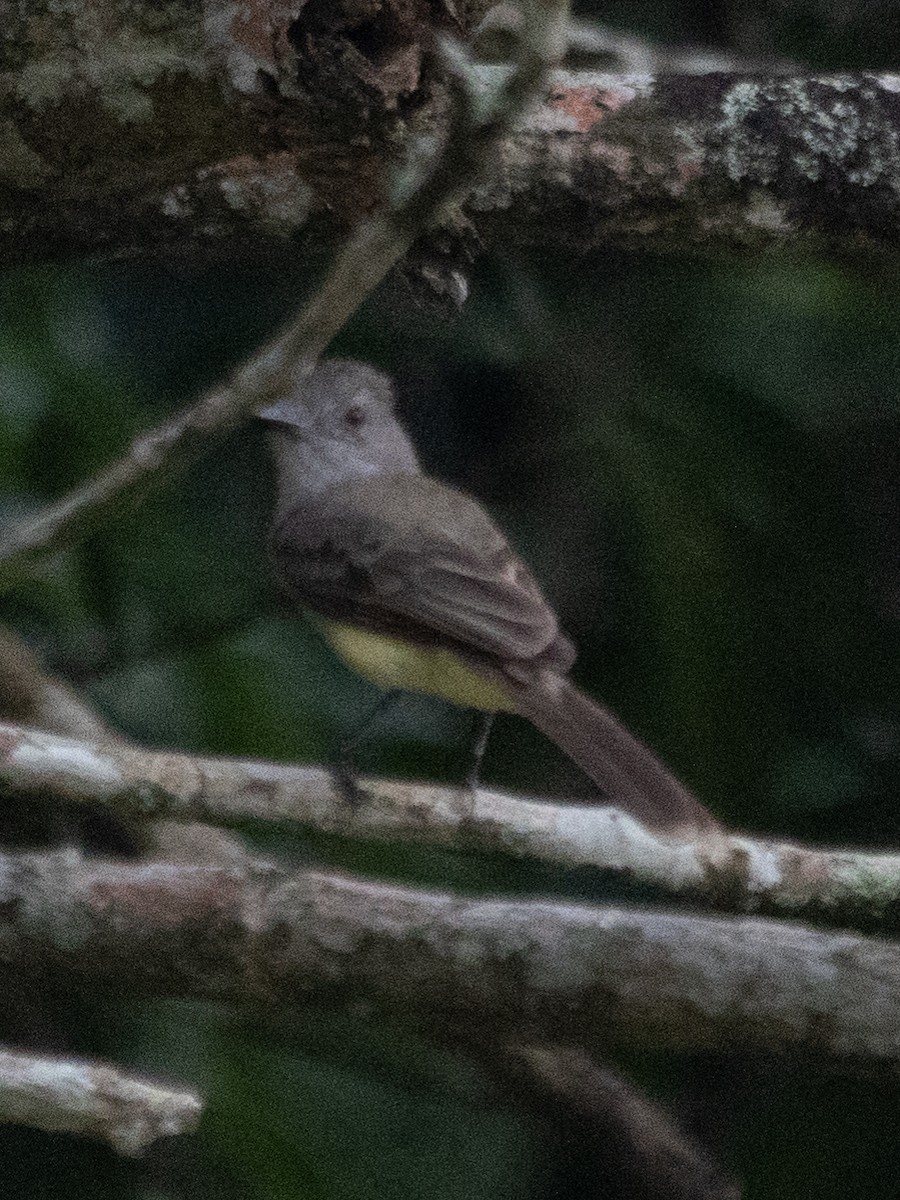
x,y
700,459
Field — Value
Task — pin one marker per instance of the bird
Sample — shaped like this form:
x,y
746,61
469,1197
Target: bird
x,y
415,586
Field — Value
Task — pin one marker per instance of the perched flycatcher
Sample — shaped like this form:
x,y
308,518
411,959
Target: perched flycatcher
x,y
417,588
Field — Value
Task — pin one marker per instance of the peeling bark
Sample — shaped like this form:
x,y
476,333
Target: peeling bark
x,y
133,129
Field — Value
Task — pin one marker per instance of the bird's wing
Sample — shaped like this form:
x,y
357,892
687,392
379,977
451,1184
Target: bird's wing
x,y
406,556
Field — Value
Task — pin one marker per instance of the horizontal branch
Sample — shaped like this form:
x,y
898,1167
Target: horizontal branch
x,y
598,975
194,130
739,873
66,1095
715,162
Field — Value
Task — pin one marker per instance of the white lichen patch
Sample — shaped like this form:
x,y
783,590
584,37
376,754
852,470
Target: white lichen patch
x,y
243,38
762,866
764,212
872,880
118,68
632,84
269,191
176,204
831,123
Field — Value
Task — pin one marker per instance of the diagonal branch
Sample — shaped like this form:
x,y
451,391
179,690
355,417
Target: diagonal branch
x,y
591,44
434,185
846,887
29,696
622,1132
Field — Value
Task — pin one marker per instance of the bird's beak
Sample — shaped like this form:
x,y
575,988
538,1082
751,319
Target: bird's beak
x,y
279,413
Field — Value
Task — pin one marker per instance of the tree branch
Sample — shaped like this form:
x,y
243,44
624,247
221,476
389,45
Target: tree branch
x,y
625,1134
256,123
601,47
596,975
845,887
715,162
29,696
65,1095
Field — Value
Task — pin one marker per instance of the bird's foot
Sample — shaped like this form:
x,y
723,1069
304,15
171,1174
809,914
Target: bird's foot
x,y
345,782
484,721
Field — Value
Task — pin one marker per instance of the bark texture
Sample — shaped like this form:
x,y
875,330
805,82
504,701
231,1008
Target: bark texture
x,y
139,127
92,1100
481,968
845,887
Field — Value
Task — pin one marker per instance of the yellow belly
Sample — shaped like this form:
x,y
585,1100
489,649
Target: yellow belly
x,y
391,663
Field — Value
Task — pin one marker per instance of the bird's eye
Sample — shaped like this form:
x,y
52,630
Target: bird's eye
x,y
354,417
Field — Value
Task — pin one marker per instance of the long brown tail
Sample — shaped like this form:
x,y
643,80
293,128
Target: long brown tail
x,y
628,772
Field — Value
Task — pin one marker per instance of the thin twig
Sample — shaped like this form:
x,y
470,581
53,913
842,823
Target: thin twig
x,y
434,185
66,1095
590,43
848,887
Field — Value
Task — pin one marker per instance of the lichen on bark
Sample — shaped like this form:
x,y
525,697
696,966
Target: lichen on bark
x,y
126,128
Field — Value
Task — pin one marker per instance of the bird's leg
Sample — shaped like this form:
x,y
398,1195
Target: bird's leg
x,y
483,724
344,771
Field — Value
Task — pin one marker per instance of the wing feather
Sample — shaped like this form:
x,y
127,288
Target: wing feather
x,y
405,555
